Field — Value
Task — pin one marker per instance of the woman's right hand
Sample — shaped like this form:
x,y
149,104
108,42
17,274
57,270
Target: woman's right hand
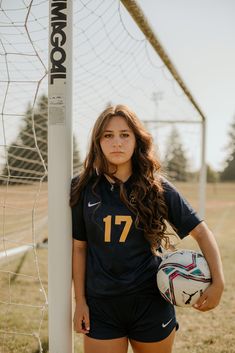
x,y
81,318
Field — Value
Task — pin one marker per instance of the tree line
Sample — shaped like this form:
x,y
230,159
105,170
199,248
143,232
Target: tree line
x,y
177,165
27,155
26,159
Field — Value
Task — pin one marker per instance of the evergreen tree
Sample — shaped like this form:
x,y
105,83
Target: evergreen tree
x,y
27,156
176,163
228,174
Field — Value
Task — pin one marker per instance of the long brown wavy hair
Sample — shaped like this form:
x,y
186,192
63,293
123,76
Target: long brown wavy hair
x,y
146,200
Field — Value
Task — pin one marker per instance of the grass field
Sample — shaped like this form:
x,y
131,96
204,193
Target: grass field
x,y
24,203
211,332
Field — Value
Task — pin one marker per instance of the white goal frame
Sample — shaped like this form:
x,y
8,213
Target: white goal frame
x,y
59,176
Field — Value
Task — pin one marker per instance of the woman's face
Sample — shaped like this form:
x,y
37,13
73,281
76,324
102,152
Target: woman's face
x,y
118,142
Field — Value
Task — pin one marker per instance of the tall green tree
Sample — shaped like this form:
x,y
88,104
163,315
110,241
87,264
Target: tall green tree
x,y
176,163
27,155
228,174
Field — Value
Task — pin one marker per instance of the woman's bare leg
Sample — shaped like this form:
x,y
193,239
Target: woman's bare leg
x,y
164,346
117,345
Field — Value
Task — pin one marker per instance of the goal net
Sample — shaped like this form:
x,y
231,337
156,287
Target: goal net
x,y
114,62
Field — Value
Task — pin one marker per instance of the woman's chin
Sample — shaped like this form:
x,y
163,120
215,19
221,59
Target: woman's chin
x,y
117,160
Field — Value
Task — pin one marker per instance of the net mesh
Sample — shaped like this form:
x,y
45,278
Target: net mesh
x,y
113,63
23,194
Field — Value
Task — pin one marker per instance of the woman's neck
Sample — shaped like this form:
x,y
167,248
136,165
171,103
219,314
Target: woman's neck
x,y
123,173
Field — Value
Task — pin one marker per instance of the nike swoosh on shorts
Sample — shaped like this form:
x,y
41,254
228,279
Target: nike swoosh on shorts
x,y
167,323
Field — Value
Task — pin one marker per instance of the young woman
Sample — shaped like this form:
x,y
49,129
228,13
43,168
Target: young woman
x,y
120,206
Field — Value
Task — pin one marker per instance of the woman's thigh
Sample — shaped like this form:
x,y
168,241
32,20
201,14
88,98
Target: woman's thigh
x,y
116,345
164,346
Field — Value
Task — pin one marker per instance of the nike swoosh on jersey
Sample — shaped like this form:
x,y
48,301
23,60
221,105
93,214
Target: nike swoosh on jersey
x,y
92,204
167,323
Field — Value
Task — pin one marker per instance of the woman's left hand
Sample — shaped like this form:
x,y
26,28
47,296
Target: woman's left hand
x,y
210,298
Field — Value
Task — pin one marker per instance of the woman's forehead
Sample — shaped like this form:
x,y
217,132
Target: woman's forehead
x,y
117,123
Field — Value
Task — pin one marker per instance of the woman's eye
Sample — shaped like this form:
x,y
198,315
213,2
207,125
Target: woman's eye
x,y
107,135
124,135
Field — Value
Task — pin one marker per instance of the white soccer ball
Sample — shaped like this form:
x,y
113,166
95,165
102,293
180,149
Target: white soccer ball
x,y
183,276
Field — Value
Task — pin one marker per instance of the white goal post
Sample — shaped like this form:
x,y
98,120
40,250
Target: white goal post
x,y
59,176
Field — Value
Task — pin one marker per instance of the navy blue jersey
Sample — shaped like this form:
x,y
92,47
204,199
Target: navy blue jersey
x,y
119,258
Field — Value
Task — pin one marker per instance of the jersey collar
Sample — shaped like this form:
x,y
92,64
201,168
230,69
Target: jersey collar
x,y
114,185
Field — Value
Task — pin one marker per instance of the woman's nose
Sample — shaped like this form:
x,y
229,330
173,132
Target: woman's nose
x,y
117,141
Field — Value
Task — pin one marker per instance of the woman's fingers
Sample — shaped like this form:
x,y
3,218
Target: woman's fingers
x,y
80,326
82,319
87,321
209,299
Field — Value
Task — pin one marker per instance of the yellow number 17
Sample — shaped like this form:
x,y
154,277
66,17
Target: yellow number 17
x,y
118,220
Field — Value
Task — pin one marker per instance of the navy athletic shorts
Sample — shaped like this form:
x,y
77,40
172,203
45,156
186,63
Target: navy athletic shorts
x,y
145,318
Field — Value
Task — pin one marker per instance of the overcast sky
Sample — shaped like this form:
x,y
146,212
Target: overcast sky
x,y
199,36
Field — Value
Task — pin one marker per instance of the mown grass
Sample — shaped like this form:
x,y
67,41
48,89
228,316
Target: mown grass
x,y
23,309
19,204
211,332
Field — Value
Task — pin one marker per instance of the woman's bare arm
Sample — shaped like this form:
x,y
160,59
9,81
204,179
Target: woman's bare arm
x,y
81,315
208,245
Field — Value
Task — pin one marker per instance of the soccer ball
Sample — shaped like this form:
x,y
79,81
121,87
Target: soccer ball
x,y
182,277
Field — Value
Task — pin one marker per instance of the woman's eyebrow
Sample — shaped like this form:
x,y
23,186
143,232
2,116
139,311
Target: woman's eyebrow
x,y
125,130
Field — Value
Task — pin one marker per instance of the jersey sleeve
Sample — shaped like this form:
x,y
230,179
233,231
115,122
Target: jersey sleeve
x,y
78,223
180,213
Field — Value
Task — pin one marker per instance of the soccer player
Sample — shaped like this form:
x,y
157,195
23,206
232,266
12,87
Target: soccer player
x,y
120,205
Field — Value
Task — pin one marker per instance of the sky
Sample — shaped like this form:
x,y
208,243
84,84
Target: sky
x,y
199,37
